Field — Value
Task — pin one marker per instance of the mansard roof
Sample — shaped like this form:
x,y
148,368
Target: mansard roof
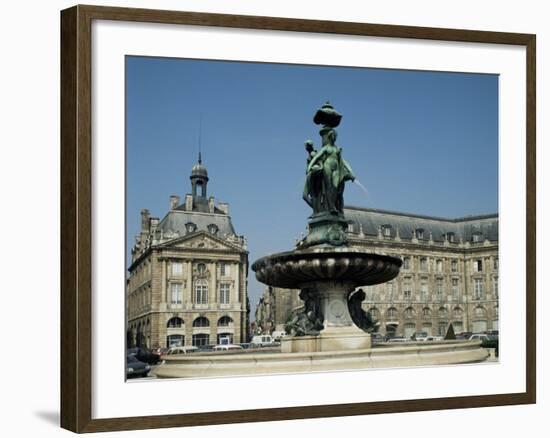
x,y
370,220
176,222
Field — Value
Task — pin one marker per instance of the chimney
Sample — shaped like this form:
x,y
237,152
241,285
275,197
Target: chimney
x,y
189,202
224,207
145,220
174,202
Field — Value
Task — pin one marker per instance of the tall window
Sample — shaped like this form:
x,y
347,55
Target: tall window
x,y
419,233
175,341
495,264
495,287
201,292
478,288
390,291
201,339
176,290
224,294
386,230
439,265
406,263
407,291
455,289
423,264
225,269
478,265
439,288
177,268
454,266
424,291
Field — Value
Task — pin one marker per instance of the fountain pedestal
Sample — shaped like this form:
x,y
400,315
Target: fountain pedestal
x,y
339,333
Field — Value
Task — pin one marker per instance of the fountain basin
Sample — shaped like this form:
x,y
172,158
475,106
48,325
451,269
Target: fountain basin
x,y
300,268
382,356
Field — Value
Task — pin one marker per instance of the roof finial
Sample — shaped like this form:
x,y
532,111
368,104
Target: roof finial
x,y
200,139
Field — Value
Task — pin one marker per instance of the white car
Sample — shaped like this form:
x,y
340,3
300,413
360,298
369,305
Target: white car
x,y
227,347
182,350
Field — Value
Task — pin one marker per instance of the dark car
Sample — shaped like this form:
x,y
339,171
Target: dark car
x,y
377,337
144,355
135,367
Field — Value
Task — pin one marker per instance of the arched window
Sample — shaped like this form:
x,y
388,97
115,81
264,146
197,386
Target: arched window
x,y
201,291
442,311
225,321
409,312
457,312
174,322
391,312
201,321
426,312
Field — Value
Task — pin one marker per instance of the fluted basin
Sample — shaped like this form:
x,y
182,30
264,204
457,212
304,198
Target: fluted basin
x,y
294,269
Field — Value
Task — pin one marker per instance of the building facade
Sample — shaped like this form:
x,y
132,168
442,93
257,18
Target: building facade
x,y
187,282
274,307
449,273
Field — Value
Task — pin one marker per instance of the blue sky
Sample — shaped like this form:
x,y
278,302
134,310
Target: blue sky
x,y
420,142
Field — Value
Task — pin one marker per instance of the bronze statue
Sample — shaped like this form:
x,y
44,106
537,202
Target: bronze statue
x,y
309,322
326,176
361,319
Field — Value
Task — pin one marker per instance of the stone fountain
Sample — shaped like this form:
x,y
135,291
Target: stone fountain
x,y
333,331
323,267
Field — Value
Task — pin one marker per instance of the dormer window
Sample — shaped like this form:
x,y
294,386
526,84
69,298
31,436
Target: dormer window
x,y
477,237
213,229
386,230
451,237
190,227
419,233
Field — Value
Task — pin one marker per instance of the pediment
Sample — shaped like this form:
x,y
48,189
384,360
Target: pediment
x,y
201,240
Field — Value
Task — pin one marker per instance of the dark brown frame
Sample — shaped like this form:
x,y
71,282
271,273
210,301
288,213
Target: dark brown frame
x,y
76,237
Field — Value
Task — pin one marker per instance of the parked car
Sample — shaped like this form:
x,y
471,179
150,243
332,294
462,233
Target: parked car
x,y
398,339
262,340
135,367
144,355
182,350
278,335
419,336
434,338
227,347
376,337
487,341
246,345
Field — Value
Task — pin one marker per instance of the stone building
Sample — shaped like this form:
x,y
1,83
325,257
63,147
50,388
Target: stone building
x,y
449,273
187,282
274,307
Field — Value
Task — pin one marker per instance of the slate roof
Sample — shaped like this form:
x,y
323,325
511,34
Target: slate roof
x,y
176,220
463,228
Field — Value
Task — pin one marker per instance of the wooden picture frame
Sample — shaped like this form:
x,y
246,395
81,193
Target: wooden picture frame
x,y
76,218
